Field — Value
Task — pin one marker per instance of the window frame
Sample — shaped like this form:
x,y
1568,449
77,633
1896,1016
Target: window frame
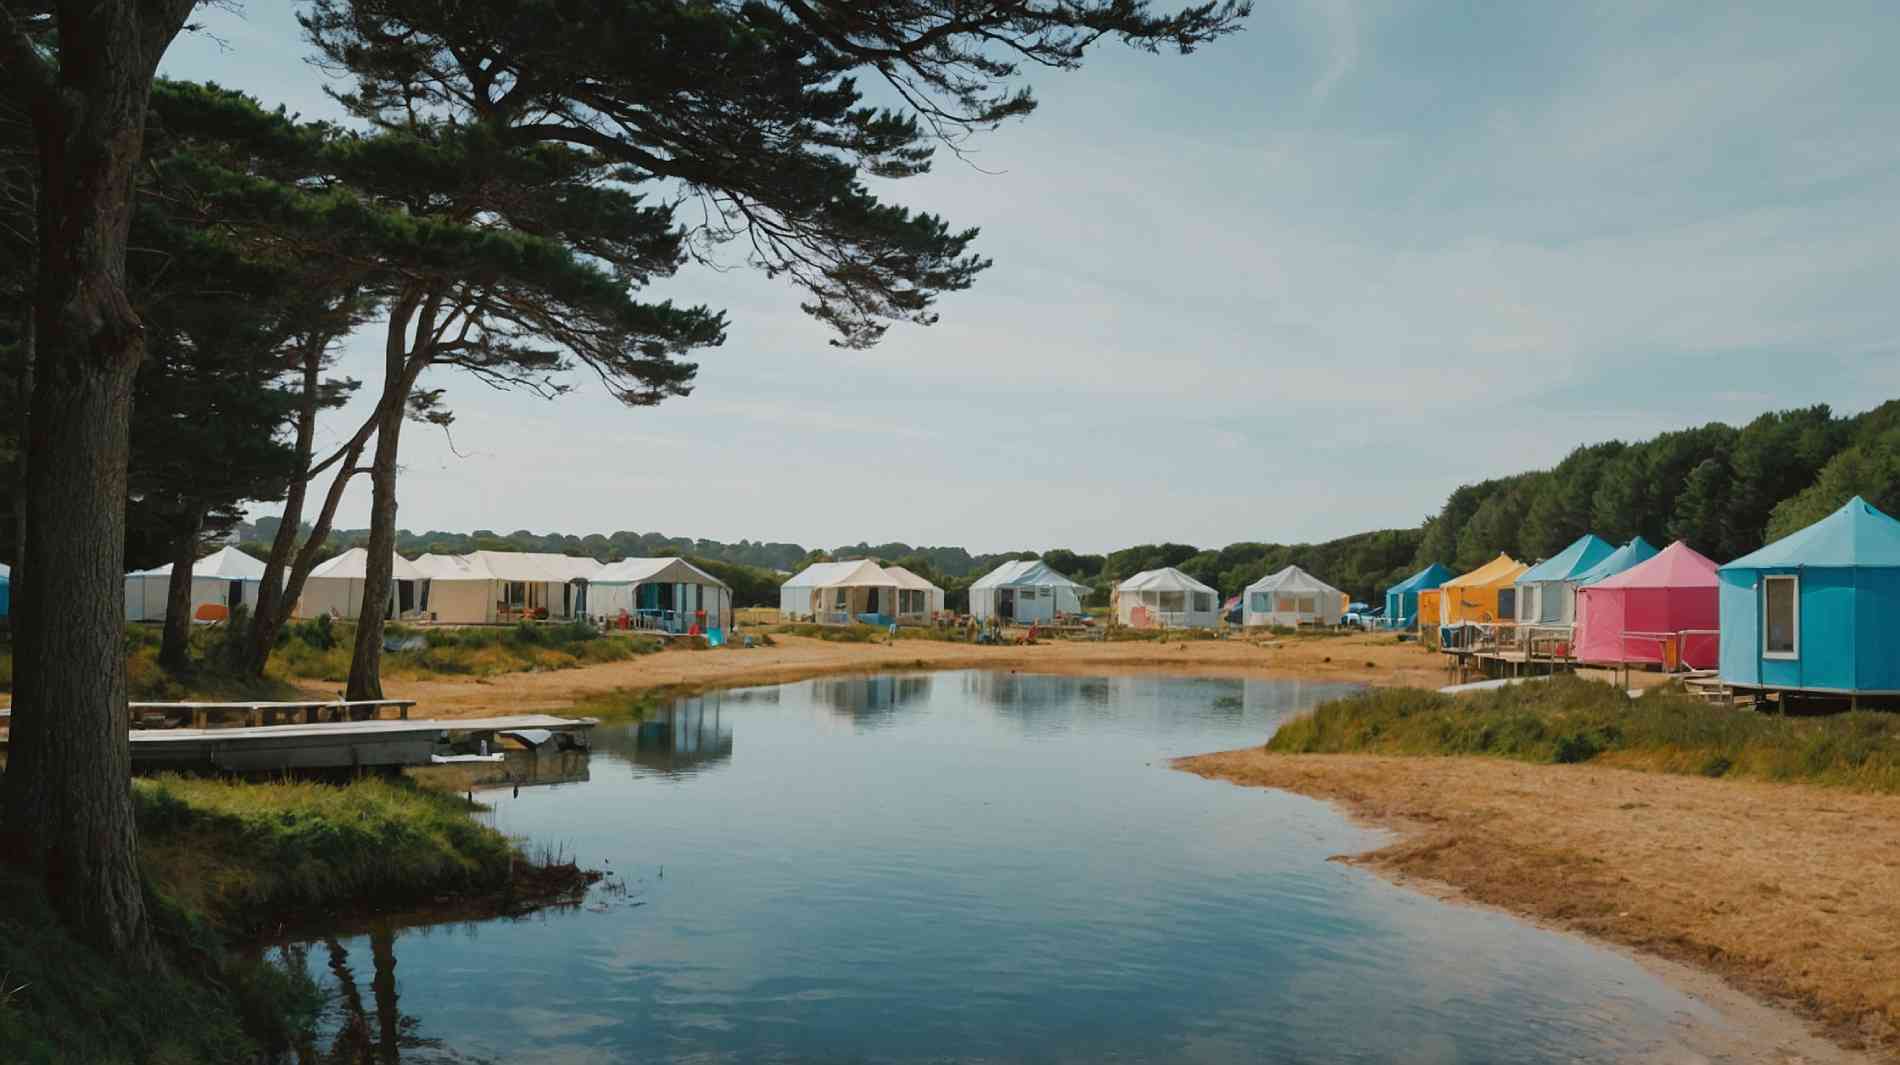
x,y
1794,620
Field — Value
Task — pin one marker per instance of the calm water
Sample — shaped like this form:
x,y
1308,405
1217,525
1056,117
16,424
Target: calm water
x,y
975,867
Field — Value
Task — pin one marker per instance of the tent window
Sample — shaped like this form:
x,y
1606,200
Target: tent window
x,y
517,593
1527,603
1309,604
1174,602
841,602
1262,603
1203,602
1781,617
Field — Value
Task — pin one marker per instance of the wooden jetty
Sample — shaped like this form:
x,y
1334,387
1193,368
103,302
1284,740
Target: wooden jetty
x,y
380,744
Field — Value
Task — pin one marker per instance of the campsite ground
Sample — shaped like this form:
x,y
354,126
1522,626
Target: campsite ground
x,y
1372,658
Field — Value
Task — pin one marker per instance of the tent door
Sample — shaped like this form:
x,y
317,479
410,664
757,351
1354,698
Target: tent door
x,y
567,600
870,601
1006,605
405,596
235,597
580,599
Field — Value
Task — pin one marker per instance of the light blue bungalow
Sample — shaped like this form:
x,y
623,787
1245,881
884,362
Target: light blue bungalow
x,y
1547,592
1815,611
1401,600
1629,556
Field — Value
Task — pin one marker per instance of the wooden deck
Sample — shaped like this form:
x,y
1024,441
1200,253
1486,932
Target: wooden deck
x,y
255,714
328,745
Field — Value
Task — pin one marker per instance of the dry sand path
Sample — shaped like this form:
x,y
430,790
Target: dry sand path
x,y
1789,892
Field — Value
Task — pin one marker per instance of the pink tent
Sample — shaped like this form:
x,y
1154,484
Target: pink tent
x,y
1669,600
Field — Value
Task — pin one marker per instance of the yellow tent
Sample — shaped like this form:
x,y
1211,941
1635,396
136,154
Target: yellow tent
x,y
1474,596
1428,616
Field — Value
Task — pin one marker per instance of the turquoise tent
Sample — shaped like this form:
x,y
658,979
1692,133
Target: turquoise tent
x,y
1629,556
1815,610
1547,592
1401,600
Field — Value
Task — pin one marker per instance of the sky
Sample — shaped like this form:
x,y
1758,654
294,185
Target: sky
x,y
1300,284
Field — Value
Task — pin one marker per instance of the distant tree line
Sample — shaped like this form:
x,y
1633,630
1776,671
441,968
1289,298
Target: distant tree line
x,y
1723,490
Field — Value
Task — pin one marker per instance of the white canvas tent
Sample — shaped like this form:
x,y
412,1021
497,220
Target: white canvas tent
x,y
336,587
220,581
918,600
1166,599
1025,591
1292,597
498,586
670,594
836,593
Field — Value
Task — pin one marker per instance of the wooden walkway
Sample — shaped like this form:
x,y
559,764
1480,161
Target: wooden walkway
x,y
327,745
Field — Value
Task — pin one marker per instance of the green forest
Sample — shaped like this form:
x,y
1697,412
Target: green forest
x,y
1724,490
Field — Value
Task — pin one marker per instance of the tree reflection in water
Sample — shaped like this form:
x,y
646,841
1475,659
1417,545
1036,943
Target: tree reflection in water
x,y
870,702
358,1040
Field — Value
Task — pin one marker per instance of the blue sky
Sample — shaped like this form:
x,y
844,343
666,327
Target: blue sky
x,y
1300,284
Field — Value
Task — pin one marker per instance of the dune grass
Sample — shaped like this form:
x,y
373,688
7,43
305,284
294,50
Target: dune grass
x,y
1568,719
320,650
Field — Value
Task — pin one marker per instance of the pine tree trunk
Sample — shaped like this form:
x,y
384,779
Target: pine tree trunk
x,y
67,787
366,663
174,651
272,598
22,415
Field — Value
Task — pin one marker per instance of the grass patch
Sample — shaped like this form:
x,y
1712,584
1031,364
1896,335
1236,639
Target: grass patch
x,y
837,633
1127,634
223,860
1568,720
321,650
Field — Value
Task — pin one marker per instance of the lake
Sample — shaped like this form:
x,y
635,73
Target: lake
x,y
974,867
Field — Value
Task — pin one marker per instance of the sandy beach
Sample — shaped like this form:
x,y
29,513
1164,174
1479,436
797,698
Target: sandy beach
x,y
1370,658
1790,893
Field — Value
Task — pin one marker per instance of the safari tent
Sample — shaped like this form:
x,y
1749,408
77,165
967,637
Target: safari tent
x,y
1402,599
667,594
1815,611
1166,598
1292,597
838,593
918,600
1547,592
220,582
1027,590
1661,611
1484,596
485,587
336,587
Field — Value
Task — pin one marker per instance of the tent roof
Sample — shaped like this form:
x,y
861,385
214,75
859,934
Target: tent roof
x,y
1165,579
1584,552
226,562
1500,570
452,568
1675,566
1025,573
354,565
1634,553
535,565
642,570
907,579
860,574
1858,534
1430,577
1292,579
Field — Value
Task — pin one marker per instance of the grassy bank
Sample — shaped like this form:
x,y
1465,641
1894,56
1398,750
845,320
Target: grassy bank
x,y
1567,720
320,650
224,861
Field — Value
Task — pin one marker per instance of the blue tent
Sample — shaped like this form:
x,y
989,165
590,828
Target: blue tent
x,y
1629,556
1815,610
1401,600
6,590
1547,592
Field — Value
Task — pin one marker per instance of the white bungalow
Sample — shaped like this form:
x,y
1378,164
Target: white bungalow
x,y
1025,591
336,587
1166,598
838,593
484,587
667,594
220,582
1292,597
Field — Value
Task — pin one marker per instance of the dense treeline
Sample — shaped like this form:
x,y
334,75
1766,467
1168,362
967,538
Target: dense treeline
x,y
1724,490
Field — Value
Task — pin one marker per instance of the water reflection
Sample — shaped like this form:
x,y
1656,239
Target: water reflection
x,y
689,737
870,702
375,1033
